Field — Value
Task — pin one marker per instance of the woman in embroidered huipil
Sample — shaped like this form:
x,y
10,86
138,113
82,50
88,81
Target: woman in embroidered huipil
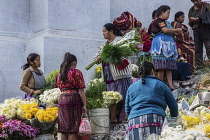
x,y
163,49
116,80
184,41
146,102
72,102
32,78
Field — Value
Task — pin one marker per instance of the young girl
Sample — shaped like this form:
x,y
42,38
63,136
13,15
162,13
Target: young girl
x,y
72,101
32,78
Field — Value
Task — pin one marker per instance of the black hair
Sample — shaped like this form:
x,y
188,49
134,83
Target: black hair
x,y
112,27
178,14
154,14
65,65
145,69
31,57
162,8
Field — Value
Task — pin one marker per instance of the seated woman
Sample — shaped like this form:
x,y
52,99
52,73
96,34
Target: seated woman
x,y
184,41
146,102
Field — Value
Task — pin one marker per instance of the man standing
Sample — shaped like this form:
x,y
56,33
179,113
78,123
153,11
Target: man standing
x,y
201,30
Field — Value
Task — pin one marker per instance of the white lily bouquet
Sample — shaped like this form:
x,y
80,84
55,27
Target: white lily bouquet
x,y
111,97
50,96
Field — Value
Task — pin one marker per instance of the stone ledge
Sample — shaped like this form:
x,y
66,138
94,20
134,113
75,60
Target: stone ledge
x,y
117,132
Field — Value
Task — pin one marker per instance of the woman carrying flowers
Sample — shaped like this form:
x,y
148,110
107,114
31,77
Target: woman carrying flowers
x,y
116,78
146,102
32,79
163,49
71,103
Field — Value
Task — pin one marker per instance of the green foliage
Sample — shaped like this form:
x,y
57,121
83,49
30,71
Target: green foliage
x,y
51,79
94,93
98,75
114,53
144,56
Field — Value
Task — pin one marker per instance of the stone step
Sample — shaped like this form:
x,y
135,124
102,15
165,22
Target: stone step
x,y
117,132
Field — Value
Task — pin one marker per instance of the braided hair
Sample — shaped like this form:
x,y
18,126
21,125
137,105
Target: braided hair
x,y
145,69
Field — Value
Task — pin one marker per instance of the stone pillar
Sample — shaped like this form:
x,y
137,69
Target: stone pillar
x,y
14,29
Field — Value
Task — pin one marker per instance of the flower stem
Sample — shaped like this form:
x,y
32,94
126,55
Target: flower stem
x,y
91,64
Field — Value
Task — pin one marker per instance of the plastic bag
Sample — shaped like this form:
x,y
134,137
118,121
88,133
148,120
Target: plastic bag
x,y
84,128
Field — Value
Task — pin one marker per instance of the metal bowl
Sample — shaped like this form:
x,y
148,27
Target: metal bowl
x,y
204,97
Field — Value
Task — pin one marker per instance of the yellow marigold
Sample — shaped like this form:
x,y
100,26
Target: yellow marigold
x,y
98,69
190,122
28,116
208,117
40,118
208,131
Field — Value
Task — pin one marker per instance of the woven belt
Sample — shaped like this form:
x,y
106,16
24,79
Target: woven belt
x,y
142,125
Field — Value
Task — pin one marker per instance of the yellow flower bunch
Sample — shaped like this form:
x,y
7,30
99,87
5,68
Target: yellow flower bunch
x,y
111,97
208,131
48,115
11,107
190,122
208,117
98,69
98,72
30,110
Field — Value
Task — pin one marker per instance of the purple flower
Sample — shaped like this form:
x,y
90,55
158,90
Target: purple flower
x,y
18,128
2,118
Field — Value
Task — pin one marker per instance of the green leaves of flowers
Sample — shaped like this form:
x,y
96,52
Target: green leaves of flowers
x,y
51,79
94,93
114,53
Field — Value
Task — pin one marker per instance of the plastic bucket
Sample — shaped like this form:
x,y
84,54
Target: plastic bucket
x,y
99,120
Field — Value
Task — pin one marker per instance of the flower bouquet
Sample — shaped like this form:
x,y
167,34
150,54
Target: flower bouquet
x,y
11,107
144,38
45,120
135,70
94,93
16,129
50,96
29,110
145,46
98,72
111,97
51,79
116,53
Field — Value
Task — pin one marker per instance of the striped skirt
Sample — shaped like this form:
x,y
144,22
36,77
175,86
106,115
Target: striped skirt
x,y
69,112
161,62
140,128
120,85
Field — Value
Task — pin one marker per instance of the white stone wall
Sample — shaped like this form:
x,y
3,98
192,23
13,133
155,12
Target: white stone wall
x,y
53,27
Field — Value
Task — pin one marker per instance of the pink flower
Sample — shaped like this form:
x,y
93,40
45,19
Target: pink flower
x,y
17,129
